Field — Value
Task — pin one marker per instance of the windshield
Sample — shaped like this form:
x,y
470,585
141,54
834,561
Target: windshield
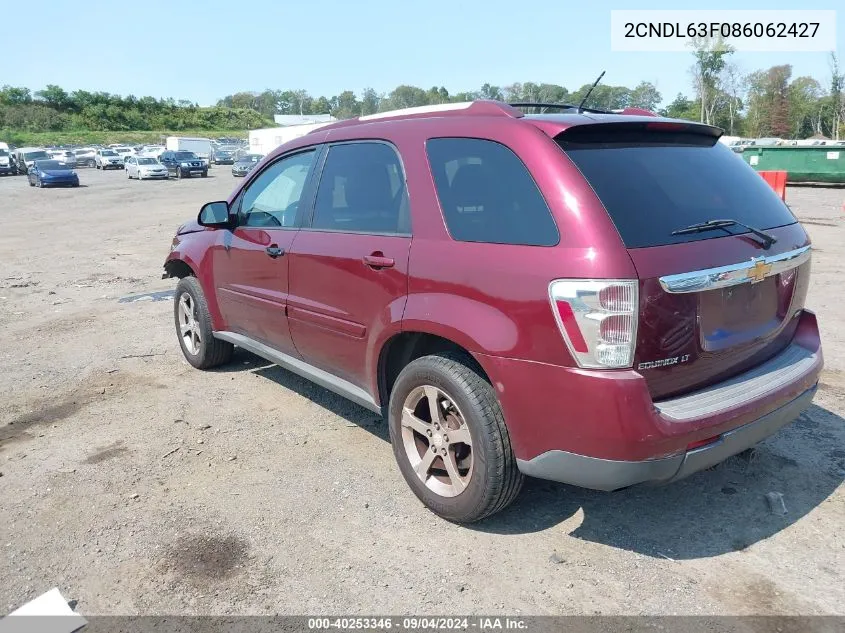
x,y
185,156
147,161
108,152
123,150
35,155
651,187
250,158
51,165
3,152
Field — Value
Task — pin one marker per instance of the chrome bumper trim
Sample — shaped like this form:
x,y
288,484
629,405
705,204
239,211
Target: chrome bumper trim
x,y
752,271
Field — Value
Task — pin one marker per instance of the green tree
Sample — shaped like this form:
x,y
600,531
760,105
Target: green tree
x,y
11,95
369,101
710,59
645,95
54,96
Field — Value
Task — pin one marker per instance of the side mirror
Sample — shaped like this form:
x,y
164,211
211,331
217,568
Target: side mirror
x,y
215,214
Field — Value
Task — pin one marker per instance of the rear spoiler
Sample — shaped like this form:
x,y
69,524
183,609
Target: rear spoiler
x,y
639,131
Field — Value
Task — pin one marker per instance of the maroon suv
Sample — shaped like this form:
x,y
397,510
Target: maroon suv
x,y
593,298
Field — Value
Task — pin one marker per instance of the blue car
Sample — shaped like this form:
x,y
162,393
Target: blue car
x,y
52,173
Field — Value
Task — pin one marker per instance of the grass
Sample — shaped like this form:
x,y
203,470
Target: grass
x,y
88,137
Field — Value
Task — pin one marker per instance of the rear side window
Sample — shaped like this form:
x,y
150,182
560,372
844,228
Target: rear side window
x,y
487,194
652,184
362,190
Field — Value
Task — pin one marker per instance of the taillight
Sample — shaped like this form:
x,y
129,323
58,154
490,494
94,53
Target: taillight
x,y
598,320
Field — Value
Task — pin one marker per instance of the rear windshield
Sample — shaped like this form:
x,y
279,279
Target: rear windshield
x,y
652,184
52,164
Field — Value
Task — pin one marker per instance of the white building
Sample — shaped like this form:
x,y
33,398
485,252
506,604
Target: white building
x,y
284,120
267,139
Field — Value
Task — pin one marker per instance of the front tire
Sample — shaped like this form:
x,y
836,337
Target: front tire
x,y
205,174
194,329
450,439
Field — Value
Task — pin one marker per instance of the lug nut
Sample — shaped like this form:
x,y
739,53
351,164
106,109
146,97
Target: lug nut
x,y
443,450
445,438
433,448
428,432
437,426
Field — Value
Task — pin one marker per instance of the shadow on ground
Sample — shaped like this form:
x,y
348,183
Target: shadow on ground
x,y
720,510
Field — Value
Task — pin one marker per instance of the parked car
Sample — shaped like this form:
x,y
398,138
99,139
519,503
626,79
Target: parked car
x,y
124,152
64,156
24,157
184,164
224,155
85,156
245,164
108,159
143,167
7,165
52,173
602,300
151,150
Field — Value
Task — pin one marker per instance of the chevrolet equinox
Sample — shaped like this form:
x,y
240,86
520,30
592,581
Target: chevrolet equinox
x,y
602,299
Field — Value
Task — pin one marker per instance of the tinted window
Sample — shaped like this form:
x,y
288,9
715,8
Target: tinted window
x,y
35,155
652,186
185,156
272,199
487,194
362,189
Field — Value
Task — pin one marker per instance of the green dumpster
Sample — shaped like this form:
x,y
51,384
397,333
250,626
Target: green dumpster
x,y
819,163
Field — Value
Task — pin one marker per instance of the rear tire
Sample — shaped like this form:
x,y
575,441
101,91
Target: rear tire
x,y
476,483
179,173
194,328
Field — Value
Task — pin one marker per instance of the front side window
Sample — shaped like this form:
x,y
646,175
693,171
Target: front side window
x,y
272,199
487,194
362,190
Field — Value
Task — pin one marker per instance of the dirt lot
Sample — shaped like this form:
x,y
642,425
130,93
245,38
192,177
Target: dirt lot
x,y
137,484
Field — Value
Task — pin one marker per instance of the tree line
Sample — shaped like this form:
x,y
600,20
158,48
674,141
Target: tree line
x,y
347,104
55,110
760,103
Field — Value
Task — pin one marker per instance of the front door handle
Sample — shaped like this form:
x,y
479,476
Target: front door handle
x,y
377,260
274,251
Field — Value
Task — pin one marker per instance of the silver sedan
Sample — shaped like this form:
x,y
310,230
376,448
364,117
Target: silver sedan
x,y
143,167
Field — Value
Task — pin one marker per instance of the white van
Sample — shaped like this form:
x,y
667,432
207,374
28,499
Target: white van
x,y
199,146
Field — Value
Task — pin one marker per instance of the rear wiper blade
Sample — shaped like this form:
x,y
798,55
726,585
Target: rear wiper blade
x,y
710,225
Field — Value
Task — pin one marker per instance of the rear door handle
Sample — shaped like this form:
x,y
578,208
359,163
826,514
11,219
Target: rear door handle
x,y
378,260
274,251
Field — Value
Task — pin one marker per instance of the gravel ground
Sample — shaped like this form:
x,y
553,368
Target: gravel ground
x,y
137,484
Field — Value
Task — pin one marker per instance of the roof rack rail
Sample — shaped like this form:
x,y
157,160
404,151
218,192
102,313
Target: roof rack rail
x,y
481,107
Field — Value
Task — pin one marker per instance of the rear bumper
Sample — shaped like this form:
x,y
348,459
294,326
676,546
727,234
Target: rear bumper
x,y
567,423
607,474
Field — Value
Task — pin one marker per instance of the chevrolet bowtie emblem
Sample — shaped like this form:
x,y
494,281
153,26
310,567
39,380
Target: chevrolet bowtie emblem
x,y
759,270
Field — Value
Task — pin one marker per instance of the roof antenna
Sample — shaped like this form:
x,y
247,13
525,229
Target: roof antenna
x,y
589,92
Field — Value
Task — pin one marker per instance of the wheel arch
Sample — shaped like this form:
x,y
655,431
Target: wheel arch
x,y
405,347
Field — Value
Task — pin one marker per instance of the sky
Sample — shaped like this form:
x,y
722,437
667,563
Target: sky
x,y
202,51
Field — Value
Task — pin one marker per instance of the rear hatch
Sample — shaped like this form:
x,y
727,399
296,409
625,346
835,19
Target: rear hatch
x,y
712,303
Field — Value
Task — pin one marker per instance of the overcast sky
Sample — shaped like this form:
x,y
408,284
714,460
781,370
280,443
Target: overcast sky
x,y
202,51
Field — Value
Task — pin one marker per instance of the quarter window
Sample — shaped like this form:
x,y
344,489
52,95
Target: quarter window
x,y
362,190
487,194
272,199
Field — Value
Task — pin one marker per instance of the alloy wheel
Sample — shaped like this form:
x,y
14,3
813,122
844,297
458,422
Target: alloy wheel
x,y
189,327
437,441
